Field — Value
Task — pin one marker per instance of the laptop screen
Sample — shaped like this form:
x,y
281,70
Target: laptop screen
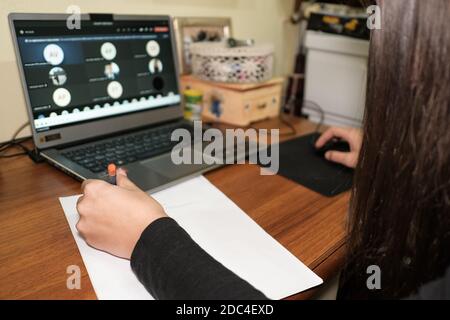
x,y
103,69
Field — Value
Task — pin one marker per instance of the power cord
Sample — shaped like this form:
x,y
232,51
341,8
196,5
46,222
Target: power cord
x,y
316,107
15,143
289,107
11,155
292,131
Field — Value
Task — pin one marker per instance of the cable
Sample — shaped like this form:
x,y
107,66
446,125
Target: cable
x,y
7,144
288,124
313,105
13,155
19,130
290,106
12,143
316,107
15,142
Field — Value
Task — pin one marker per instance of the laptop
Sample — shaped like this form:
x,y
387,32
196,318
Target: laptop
x,y
105,91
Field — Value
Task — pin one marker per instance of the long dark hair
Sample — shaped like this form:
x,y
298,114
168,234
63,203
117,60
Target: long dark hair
x,y
400,208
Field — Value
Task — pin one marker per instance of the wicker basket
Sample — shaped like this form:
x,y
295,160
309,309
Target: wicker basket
x,y
218,63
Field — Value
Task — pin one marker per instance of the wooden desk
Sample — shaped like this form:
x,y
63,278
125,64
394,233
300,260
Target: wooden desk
x,y
36,245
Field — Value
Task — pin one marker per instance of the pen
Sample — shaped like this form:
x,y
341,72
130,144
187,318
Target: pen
x,y
112,173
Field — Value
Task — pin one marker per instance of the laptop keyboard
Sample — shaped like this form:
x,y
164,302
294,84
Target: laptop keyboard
x,y
125,149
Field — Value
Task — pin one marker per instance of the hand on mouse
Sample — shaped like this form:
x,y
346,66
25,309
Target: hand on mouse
x,y
112,218
352,136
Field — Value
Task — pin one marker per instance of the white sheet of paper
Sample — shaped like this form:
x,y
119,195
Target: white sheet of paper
x,y
220,227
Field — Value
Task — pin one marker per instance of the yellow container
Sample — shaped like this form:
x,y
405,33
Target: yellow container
x,y
193,104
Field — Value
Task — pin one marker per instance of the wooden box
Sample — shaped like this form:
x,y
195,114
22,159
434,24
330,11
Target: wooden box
x,y
237,104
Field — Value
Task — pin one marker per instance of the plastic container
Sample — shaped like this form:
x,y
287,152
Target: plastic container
x,y
216,62
193,104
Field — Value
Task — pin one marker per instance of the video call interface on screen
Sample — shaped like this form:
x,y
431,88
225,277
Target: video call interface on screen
x,y
100,70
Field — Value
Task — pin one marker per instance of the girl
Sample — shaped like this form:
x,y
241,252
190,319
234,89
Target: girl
x,y
399,217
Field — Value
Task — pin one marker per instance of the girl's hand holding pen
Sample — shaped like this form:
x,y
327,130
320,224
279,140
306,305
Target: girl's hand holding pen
x,y
113,217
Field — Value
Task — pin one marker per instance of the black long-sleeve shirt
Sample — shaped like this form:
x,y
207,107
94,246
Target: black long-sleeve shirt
x,y
172,266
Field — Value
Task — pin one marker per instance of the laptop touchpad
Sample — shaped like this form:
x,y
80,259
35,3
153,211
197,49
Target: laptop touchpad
x,y
164,166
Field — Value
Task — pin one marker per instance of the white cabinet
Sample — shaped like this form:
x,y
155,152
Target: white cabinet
x,y
336,71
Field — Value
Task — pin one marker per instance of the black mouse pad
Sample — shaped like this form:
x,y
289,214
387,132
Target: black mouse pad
x,y
299,162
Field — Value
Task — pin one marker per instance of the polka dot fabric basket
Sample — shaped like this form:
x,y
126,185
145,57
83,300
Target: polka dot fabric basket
x,y
216,62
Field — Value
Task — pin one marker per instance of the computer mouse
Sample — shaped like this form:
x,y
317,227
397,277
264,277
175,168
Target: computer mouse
x,y
334,144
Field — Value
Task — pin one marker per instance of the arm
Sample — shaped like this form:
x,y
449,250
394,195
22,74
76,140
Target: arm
x,y
172,266
128,223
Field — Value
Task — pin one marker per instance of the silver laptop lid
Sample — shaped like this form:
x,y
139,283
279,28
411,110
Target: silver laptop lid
x,y
114,73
